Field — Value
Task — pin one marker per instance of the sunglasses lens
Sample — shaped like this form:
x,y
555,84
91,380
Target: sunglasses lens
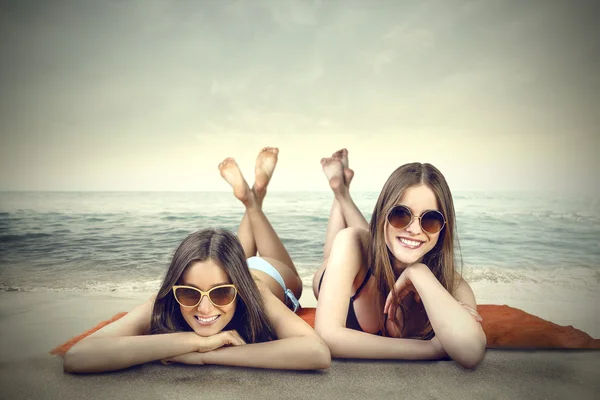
x,y
399,217
222,296
187,297
432,221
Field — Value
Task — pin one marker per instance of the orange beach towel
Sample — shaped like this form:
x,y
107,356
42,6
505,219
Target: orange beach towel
x,y
504,326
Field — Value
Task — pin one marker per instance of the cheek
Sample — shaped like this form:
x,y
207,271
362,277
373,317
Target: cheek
x,y
229,311
186,312
388,236
433,242
232,309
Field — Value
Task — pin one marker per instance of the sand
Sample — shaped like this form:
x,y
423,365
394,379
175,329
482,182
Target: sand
x,y
35,322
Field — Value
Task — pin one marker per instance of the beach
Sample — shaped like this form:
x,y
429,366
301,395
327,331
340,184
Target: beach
x,y
35,322
71,260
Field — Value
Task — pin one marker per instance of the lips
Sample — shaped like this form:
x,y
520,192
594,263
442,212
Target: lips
x,y
206,320
410,243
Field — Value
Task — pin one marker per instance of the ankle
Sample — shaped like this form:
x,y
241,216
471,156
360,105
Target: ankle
x,y
342,194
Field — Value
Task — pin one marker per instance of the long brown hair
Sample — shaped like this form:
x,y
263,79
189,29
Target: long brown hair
x,y
440,259
223,248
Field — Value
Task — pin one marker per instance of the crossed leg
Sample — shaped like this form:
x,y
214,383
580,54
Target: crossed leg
x,y
344,212
255,231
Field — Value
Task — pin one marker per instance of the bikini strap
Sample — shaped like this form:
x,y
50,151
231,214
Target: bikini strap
x,y
364,282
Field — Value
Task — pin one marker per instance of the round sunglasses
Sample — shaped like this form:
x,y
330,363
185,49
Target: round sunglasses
x,y
431,221
220,296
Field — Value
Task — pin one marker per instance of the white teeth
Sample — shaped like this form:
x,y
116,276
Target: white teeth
x,y
206,320
412,243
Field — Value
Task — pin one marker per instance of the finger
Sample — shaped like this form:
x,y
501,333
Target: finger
x,y
468,308
476,316
417,297
216,341
400,282
392,312
387,303
471,311
234,338
239,338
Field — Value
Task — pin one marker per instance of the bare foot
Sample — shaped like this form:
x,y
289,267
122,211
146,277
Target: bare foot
x,y
232,174
333,169
265,165
343,156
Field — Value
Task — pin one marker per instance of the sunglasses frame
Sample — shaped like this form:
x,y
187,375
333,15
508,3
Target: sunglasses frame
x,y
203,293
412,217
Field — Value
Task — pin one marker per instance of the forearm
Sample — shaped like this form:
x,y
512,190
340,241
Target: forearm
x,y
113,353
298,353
461,336
349,343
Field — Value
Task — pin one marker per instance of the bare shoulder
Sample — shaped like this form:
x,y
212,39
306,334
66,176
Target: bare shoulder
x,y
354,237
135,322
348,256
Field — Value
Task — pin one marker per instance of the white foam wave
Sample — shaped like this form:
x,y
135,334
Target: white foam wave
x,y
558,276
90,286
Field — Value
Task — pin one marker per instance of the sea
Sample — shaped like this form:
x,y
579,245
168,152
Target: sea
x,y
123,241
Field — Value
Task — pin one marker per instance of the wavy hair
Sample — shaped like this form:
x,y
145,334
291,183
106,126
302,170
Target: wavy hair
x,y
440,259
223,248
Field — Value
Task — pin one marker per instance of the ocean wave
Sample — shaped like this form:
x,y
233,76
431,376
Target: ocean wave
x,y
176,218
517,216
556,276
95,219
583,278
89,286
17,238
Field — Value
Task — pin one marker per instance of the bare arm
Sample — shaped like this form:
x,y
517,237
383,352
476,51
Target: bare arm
x,y
298,346
344,264
122,344
459,333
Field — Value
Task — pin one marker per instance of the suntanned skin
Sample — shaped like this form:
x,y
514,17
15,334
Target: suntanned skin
x,y
452,317
124,343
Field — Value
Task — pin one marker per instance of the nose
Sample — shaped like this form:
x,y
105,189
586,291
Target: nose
x,y
205,305
414,227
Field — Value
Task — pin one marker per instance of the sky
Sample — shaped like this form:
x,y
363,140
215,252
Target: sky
x,y
152,95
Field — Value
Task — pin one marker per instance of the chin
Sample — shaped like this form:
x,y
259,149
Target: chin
x,y
407,259
206,331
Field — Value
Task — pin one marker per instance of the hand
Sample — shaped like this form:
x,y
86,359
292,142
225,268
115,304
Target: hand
x,y
393,328
471,311
402,288
223,338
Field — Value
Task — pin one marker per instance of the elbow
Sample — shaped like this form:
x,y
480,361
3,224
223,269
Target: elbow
x,y
472,360
78,359
471,354
320,354
71,361
322,357
329,337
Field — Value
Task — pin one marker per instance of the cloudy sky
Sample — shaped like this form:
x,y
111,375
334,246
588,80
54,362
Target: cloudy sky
x,y
151,95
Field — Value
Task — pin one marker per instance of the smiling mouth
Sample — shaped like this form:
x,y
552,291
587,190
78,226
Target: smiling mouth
x,y
411,244
206,321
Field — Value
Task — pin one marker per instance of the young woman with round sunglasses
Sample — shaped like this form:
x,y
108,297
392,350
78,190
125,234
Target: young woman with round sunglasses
x,y
390,289
218,302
